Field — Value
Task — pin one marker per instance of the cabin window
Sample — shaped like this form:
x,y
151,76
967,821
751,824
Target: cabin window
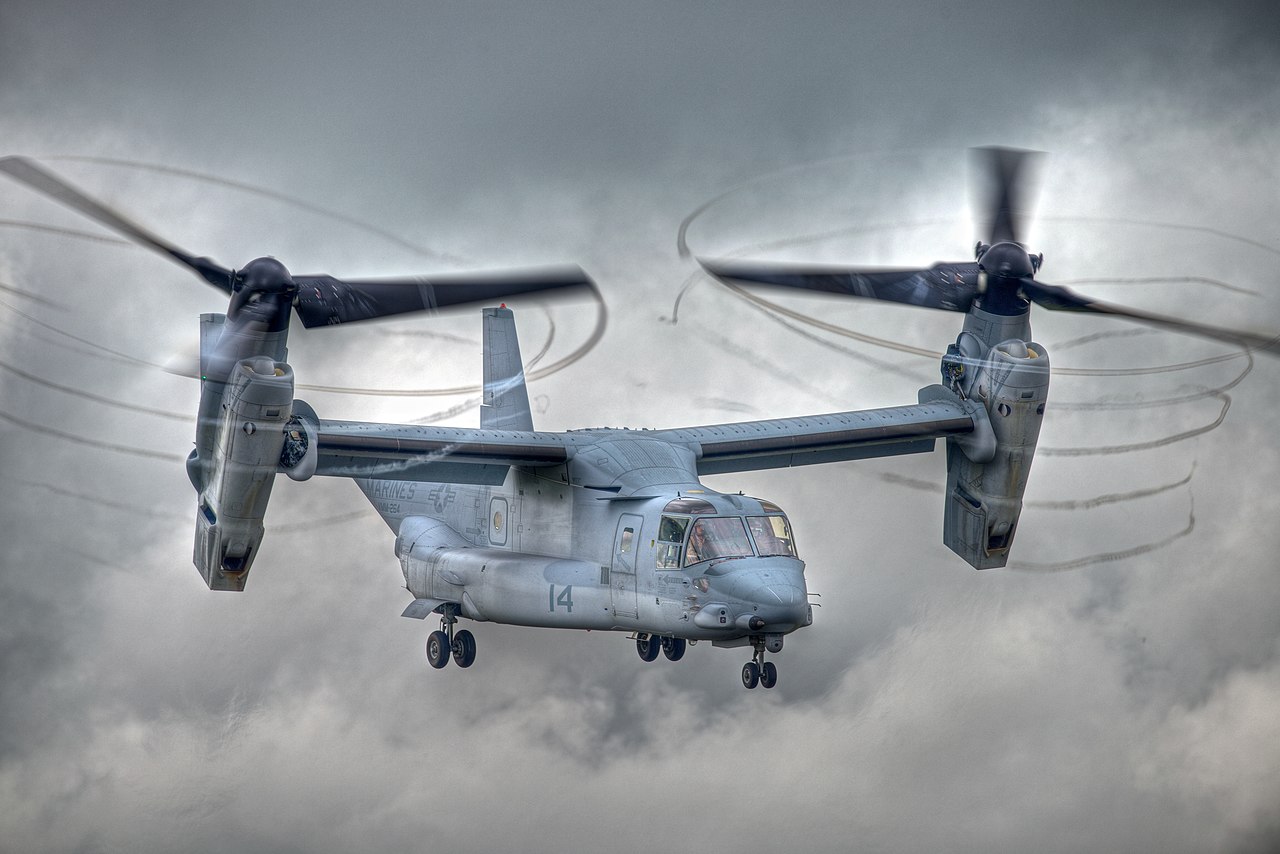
x,y
720,537
772,536
628,534
498,522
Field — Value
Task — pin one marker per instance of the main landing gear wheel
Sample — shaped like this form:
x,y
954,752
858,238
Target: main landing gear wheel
x,y
446,643
673,648
463,648
648,646
768,675
750,674
437,649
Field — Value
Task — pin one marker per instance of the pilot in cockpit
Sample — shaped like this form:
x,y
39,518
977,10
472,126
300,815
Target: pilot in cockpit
x,y
762,532
699,549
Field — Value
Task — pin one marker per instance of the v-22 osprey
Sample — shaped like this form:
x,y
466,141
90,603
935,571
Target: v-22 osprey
x,y
608,529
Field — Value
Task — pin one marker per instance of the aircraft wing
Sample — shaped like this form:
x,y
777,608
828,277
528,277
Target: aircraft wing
x,y
435,454
480,456
783,442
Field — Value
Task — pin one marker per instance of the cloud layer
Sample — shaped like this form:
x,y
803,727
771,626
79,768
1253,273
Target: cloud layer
x,y
1128,704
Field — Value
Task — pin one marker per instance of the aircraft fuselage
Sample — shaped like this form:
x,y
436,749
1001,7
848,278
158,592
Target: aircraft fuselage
x,y
640,564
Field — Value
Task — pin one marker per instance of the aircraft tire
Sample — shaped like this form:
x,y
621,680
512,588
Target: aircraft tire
x,y
673,648
648,647
437,649
769,674
464,648
750,675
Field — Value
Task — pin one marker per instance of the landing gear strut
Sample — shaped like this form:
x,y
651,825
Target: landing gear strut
x,y
757,671
446,643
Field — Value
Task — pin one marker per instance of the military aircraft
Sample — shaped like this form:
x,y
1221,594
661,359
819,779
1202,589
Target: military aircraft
x,y
609,529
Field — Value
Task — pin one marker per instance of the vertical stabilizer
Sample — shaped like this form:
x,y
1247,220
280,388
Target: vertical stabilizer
x,y
506,401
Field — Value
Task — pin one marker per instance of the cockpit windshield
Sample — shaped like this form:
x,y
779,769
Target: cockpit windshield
x,y
717,537
772,536
685,541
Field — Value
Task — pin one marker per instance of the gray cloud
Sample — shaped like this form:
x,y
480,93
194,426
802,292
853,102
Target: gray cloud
x,y
1130,705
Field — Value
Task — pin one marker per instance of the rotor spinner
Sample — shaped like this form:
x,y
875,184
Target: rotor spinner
x,y
1004,265
263,289
264,275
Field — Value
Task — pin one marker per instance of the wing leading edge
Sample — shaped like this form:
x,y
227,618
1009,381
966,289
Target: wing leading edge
x,y
813,439
435,454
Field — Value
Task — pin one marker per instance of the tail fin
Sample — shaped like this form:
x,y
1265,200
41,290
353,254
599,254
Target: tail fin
x,y
506,400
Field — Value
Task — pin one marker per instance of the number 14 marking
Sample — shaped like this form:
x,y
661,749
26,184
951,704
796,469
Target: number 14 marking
x,y
565,598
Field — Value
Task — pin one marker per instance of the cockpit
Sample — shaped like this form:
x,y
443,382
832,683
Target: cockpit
x,y
693,531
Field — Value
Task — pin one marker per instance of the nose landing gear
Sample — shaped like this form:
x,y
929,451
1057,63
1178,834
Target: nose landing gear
x,y
757,671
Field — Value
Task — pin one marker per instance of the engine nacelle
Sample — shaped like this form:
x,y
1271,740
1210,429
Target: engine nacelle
x,y
987,472
256,407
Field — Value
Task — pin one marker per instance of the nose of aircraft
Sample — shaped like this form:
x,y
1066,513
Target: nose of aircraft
x,y
776,594
774,588
782,606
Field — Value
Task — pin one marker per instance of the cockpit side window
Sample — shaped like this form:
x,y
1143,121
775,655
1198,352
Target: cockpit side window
x,y
717,537
671,531
772,536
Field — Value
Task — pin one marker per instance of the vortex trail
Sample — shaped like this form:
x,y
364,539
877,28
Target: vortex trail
x,y
27,295
96,398
283,528
683,251
1143,446
91,443
602,317
570,359
1075,504
777,312
261,192
1108,557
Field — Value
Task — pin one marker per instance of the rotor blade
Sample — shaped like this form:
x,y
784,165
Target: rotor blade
x,y
946,286
1001,197
43,181
1058,298
326,301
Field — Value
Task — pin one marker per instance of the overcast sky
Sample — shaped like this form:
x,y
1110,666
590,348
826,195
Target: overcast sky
x,y
1119,691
